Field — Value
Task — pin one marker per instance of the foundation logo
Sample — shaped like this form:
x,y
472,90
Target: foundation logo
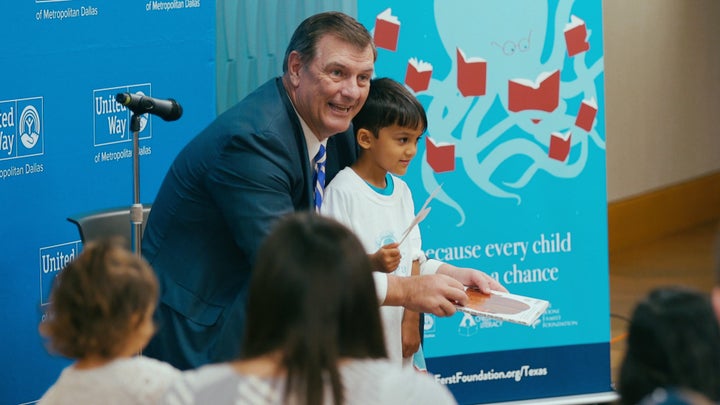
x,y
52,260
21,128
111,120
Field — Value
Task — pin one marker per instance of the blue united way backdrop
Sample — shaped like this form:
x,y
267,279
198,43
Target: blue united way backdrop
x,y
66,146
514,95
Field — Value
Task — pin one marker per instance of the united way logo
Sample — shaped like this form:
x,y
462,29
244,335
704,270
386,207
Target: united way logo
x,y
21,128
29,127
52,260
112,120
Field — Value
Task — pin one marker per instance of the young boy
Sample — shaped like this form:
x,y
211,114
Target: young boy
x,y
378,206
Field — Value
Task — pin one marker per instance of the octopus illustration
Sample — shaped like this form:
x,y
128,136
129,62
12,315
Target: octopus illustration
x,y
529,108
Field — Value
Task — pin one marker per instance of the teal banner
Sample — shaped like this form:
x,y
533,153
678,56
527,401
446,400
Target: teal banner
x,y
516,138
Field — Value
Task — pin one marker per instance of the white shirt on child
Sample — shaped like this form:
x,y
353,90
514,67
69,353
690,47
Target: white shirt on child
x,y
136,380
365,382
377,220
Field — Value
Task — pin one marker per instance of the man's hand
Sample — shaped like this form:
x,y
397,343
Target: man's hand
x,y
472,278
410,333
387,258
433,293
484,282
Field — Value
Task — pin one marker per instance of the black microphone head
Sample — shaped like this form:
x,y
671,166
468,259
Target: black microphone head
x,y
168,110
122,98
175,112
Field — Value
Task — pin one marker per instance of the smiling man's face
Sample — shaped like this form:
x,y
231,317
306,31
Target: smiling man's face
x,y
330,90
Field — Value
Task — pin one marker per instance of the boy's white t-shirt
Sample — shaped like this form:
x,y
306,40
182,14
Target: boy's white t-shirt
x,y
377,220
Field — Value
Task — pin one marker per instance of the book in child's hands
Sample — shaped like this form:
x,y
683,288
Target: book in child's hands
x,y
504,306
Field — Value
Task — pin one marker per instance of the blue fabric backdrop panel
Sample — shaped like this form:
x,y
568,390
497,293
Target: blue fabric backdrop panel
x,y
66,146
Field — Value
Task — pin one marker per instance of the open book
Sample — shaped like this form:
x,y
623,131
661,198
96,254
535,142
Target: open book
x,y
576,36
387,30
440,155
542,94
586,114
471,75
504,306
560,145
418,75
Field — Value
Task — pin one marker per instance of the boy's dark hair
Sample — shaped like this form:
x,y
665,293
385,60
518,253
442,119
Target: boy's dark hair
x,y
673,341
312,298
98,299
389,103
306,36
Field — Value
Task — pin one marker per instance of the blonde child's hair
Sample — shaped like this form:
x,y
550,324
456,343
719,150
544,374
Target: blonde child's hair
x,y
98,300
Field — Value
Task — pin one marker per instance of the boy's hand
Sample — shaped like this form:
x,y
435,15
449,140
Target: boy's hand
x,y
387,258
410,333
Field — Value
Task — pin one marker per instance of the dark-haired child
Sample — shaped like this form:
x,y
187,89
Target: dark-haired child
x,y
673,343
314,334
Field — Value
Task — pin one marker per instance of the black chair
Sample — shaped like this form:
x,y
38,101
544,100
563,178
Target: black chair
x,y
106,222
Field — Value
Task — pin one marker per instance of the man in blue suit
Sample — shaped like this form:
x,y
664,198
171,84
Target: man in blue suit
x,y
248,168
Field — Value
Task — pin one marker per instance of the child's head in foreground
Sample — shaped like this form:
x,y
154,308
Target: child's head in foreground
x,y
389,125
673,341
101,304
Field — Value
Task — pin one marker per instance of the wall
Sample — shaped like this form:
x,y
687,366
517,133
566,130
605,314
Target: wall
x,y
252,37
662,83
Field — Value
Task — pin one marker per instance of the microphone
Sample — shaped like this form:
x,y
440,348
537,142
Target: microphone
x,y
168,110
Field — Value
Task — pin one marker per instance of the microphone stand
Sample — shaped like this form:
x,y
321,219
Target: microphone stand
x,y
138,104
136,210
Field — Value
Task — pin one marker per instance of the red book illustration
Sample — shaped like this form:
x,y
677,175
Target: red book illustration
x,y
471,75
387,30
586,115
576,36
543,94
560,145
440,156
417,75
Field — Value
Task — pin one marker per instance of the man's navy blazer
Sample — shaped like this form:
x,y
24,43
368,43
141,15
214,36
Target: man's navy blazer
x,y
215,206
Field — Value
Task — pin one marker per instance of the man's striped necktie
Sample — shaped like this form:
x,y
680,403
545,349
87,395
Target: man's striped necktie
x,y
319,176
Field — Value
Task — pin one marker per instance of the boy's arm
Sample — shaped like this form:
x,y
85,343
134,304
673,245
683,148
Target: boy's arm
x,y
410,330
